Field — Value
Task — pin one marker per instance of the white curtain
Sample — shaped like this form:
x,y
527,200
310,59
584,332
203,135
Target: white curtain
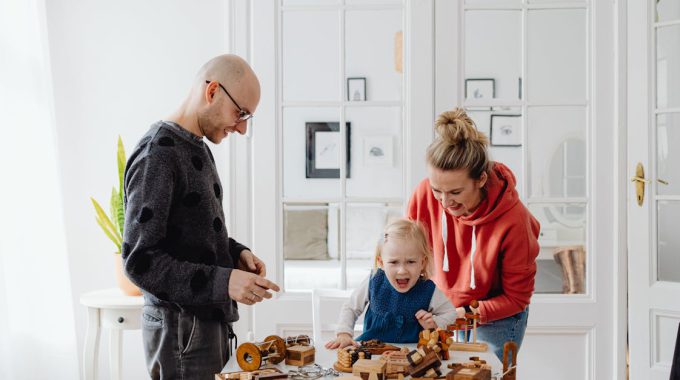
x,y
37,329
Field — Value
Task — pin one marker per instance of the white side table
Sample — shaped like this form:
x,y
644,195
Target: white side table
x,y
108,309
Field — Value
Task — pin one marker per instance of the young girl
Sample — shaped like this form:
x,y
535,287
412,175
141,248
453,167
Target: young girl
x,y
399,298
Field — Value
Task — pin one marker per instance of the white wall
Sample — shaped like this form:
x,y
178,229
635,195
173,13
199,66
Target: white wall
x,y
118,67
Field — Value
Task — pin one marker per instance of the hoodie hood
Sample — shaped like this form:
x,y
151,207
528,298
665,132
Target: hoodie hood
x,y
500,196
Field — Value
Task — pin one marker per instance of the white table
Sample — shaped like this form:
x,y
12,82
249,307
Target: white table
x,y
326,358
108,309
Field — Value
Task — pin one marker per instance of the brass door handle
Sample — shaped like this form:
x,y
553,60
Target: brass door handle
x,y
639,181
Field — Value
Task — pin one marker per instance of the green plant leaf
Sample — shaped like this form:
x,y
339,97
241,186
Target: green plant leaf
x,y
113,212
121,164
106,224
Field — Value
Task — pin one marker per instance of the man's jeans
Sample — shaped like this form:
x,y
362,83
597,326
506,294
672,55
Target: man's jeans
x,y
177,345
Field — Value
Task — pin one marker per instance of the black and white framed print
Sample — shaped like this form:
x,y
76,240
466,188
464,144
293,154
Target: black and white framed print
x,y
356,89
480,88
323,149
506,130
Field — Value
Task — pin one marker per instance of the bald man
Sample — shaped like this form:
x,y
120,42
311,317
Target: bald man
x,y
176,247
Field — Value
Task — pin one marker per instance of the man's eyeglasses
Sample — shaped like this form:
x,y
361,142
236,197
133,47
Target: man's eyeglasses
x,y
243,115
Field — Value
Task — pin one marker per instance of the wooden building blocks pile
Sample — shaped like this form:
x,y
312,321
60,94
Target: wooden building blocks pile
x,y
396,364
348,356
424,362
437,340
475,369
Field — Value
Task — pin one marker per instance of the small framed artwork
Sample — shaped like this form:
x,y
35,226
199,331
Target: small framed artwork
x,y
323,149
506,130
356,89
480,88
378,151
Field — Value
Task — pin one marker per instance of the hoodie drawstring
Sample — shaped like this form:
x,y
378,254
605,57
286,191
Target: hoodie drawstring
x,y
445,229
473,249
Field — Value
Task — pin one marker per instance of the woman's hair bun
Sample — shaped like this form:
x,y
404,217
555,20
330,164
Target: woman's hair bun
x,y
455,127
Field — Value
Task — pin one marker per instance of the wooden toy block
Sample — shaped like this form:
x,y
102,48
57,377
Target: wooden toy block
x,y
369,369
377,347
300,355
509,352
395,364
464,373
298,340
348,356
260,374
416,356
429,361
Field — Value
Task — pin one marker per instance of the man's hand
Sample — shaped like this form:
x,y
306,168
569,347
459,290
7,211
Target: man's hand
x,y
425,319
249,288
250,263
342,340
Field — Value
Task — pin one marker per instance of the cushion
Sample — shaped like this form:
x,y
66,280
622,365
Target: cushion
x,y
305,234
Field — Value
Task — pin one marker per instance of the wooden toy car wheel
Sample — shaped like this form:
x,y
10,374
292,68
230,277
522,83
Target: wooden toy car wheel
x,y
279,345
249,357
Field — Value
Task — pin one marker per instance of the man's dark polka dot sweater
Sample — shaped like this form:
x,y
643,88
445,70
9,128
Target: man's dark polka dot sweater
x,y
176,247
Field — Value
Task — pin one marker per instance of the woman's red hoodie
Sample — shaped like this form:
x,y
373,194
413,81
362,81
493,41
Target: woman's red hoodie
x,y
506,240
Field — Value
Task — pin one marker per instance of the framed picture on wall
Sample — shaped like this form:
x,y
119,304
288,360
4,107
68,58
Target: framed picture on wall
x,y
323,149
356,89
506,130
480,88
378,150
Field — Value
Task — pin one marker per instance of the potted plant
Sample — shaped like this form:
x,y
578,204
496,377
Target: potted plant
x,y
113,225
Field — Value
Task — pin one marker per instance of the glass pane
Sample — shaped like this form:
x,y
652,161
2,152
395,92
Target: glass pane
x,y
371,53
311,153
493,51
562,259
557,151
668,154
668,67
556,67
668,250
309,260
365,225
511,156
667,10
376,158
311,61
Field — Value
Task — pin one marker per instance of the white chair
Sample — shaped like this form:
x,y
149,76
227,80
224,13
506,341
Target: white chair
x,y
340,297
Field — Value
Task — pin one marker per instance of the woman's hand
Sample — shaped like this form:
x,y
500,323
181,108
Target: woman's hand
x,y
341,341
425,319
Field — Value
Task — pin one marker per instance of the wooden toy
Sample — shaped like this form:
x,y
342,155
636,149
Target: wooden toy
x,y
369,369
259,374
462,325
509,369
396,363
377,347
299,340
475,369
251,356
348,356
300,355
422,364
437,340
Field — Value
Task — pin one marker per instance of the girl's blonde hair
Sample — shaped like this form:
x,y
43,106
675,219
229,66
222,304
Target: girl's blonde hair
x,y
459,145
404,229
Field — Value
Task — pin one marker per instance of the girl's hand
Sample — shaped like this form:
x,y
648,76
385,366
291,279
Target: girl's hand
x,y
341,341
425,319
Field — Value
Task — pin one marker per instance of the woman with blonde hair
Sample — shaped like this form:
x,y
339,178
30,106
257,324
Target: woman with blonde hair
x,y
484,240
399,298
